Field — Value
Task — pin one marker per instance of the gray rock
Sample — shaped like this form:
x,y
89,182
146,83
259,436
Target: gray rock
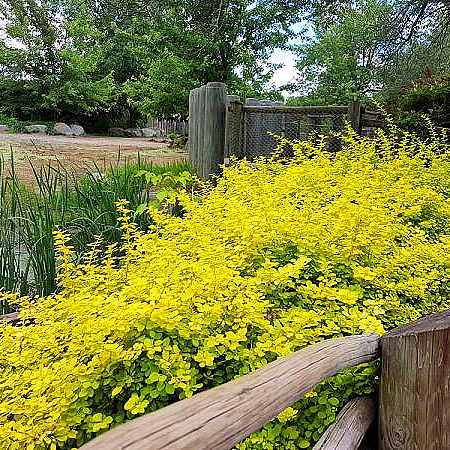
x,y
62,128
77,130
41,129
151,132
120,132
133,132
4,128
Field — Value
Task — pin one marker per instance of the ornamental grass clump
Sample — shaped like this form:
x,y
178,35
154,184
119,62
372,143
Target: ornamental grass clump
x,y
275,257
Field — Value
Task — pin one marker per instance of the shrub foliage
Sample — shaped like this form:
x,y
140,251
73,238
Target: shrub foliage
x,y
275,257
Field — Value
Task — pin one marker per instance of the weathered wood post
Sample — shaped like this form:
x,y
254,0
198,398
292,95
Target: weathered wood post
x,y
415,386
214,129
233,138
193,136
354,115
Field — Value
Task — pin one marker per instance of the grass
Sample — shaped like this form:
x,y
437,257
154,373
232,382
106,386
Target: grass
x,y
82,206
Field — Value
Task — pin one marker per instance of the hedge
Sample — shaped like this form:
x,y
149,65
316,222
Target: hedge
x,y
272,258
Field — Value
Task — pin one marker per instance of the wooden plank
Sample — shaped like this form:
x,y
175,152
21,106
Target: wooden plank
x,y
415,385
201,130
296,109
12,317
233,119
193,139
221,417
350,427
214,128
354,115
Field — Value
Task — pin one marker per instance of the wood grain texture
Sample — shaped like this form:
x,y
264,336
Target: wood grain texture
x,y
414,392
214,129
221,417
192,136
350,427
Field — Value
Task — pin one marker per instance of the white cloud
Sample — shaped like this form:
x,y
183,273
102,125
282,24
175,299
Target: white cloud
x,y
288,72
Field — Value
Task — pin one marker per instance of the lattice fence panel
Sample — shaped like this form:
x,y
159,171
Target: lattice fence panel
x,y
253,129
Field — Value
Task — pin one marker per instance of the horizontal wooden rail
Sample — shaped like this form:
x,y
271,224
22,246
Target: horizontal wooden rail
x,y
12,317
221,417
350,427
296,109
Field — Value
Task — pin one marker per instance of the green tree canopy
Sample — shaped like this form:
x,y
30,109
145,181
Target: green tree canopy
x,y
89,58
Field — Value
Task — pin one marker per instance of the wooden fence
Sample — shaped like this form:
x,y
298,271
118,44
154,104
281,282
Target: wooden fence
x,y
221,126
414,400
169,126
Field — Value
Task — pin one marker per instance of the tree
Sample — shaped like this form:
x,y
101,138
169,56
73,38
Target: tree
x,y
227,40
341,62
140,55
55,68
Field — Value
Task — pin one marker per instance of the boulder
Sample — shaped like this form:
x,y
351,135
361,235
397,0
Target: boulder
x,y
120,132
41,129
62,128
4,128
133,132
151,132
77,130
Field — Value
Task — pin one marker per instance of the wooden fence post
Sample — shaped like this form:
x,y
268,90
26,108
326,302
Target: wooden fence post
x,y
193,117
214,129
201,129
233,146
354,115
415,386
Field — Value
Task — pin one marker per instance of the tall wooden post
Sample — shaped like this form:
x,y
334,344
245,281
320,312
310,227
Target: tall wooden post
x,y
415,386
354,115
214,129
193,118
201,130
233,145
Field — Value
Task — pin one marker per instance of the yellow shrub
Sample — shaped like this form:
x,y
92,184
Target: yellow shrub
x,y
274,258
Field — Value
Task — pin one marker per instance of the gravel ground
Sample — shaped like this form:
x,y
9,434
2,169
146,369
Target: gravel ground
x,y
78,154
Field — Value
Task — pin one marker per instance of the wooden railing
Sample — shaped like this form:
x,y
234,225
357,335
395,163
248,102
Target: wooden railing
x,y
414,399
221,417
11,317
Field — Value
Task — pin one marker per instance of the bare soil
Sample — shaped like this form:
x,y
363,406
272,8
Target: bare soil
x,y
79,154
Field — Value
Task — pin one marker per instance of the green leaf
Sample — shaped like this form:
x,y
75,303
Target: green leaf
x,y
117,390
140,209
162,195
153,377
333,401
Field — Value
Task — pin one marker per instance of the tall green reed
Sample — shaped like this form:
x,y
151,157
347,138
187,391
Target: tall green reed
x,y
82,206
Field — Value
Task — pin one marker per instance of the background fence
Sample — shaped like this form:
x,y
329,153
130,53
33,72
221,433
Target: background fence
x,y
169,126
221,126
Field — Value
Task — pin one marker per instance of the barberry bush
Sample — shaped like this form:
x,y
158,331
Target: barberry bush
x,y
274,257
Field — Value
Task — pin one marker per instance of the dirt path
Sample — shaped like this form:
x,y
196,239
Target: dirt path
x,y
79,153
